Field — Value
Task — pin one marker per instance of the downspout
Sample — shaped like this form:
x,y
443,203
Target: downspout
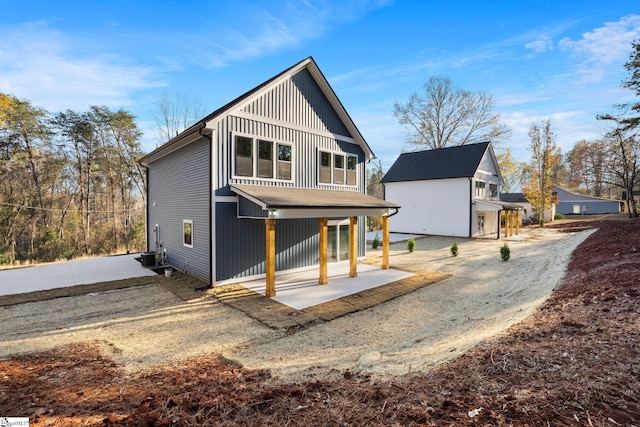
x,y
146,208
470,203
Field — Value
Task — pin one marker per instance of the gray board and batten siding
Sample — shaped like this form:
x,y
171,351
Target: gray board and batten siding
x,y
310,124
178,189
188,179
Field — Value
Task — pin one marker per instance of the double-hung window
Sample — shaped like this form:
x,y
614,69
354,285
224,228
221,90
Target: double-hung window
x,y
265,159
284,161
352,176
337,168
262,159
244,156
325,167
480,186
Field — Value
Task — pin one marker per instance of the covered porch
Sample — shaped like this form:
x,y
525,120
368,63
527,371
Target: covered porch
x,y
270,204
512,216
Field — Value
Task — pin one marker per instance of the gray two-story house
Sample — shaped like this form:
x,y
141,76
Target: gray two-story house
x,y
273,181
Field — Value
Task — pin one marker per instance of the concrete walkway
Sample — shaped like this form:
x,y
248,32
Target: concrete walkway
x,y
70,273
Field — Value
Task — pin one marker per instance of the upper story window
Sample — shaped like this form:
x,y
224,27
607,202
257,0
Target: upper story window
x,y
337,168
480,189
284,161
325,167
244,156
263,159
493,191
352,176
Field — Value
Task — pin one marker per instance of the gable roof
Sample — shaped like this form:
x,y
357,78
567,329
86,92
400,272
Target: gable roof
x,y
202,126
451,162
571,196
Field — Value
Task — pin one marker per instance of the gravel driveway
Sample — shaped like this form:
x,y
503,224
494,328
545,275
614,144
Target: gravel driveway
x,y
146,326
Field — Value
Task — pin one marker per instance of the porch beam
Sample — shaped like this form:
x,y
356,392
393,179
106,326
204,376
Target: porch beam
x,y
353,246
270,260
385,242
324,237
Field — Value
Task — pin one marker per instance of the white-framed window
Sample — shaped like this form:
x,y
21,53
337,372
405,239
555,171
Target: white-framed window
x,y
337,168
480,188
262,158
187,233
284,161
352,175
244,156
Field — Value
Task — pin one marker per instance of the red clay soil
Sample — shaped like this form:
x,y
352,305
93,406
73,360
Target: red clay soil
x,y
576,361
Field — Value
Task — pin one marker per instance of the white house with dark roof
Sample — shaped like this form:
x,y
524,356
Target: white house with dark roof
x,y
275,180
453,191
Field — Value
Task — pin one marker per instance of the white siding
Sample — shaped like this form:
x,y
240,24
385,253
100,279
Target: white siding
x,y
438,207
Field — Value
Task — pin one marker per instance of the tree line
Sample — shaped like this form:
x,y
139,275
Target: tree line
x,y
70,184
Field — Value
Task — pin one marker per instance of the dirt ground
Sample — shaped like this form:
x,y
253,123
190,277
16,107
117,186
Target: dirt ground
x,y
437,356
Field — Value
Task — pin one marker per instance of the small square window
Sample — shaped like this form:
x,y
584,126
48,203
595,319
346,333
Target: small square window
x,y
187,233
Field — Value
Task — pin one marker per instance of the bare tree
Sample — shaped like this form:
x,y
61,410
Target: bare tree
x,y
444,116
173,114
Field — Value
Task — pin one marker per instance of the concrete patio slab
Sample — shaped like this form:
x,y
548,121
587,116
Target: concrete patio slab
x,y
301,290
70,273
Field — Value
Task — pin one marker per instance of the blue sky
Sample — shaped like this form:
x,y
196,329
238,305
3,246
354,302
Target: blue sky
x,y
557,60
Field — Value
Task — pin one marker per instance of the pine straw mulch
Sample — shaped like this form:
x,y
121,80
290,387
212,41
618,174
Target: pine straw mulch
x,y
576,361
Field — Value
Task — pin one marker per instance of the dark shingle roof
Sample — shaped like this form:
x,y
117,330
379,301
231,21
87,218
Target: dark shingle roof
x,y
451,162
288,197
513,197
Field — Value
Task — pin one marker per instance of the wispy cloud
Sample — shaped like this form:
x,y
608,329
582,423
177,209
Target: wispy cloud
x,y
598,49
40,64
276,27
540,45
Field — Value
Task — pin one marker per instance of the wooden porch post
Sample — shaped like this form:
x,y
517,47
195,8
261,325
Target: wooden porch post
x,y
517,222
353,246
509,229
324,237
385,242
270,260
